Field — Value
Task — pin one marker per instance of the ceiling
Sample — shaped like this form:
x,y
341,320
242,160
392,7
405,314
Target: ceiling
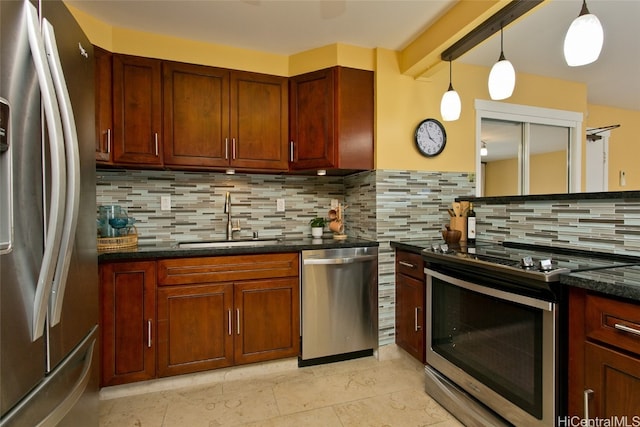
x,y
533,44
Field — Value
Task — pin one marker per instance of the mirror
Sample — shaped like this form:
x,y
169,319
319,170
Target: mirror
x,y
520,158
529,150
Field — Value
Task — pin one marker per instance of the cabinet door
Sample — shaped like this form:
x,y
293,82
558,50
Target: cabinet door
x,y
196,115
311,115
331,119
137,110
104,104
127,321
259,121
268,320
194,328
410,315
615,380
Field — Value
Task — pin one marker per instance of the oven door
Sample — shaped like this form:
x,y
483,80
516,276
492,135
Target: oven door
x,y
496,345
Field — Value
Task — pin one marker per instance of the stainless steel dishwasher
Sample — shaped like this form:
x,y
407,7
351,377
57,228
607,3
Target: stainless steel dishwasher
x,y
339,303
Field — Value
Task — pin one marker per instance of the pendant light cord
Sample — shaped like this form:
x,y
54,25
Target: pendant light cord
x,y
501,58
450,76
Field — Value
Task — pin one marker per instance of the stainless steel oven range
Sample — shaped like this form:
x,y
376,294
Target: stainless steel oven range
x,y
496,331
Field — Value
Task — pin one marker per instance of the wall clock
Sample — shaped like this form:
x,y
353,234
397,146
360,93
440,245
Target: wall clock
x,y
430,137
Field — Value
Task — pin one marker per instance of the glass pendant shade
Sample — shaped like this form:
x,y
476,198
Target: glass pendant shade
x,y
584,39
450,106
502,79
483,150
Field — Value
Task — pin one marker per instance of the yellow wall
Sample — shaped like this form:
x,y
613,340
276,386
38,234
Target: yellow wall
x,y
401,100
501,178
548,173
624,143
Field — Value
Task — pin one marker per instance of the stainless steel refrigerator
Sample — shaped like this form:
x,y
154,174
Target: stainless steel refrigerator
x,y
48,264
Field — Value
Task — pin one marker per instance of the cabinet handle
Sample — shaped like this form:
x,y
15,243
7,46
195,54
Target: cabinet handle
x,y
108,141
229,320
233,148
226,148
291,151
156,141
587,395
417,326
149,333
406,264
624,328
237,321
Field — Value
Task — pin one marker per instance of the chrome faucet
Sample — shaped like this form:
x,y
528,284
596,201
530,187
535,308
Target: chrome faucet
x,y
227,210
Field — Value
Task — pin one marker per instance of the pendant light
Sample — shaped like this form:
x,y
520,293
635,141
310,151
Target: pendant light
x,y
483,149
502,78
450,106
584,39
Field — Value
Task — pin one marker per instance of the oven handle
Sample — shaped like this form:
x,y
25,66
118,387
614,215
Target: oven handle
x,y
507,296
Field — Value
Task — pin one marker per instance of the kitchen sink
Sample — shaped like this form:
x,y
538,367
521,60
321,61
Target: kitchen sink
x,y
202,244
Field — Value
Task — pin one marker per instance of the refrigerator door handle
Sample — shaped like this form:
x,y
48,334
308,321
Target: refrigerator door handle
x,y
58,174
73,174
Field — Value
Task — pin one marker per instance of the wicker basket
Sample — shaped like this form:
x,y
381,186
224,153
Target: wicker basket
x,y
120,242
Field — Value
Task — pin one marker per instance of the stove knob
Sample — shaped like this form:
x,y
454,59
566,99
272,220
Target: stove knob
x,y
526,262
546,264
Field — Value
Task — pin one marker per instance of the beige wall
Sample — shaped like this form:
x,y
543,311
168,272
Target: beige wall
x,y
624,143
548,173
401,101
501,178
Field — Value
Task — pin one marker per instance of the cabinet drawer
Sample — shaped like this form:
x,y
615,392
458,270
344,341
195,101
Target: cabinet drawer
x,y
181,271
614,322
410,264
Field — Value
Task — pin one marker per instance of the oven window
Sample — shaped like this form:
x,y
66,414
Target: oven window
x,y
496,341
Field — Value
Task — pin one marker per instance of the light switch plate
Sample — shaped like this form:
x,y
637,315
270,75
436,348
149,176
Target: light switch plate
x,y
165,203
280,206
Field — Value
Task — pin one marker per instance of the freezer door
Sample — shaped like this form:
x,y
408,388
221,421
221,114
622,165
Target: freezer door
x,y
22,361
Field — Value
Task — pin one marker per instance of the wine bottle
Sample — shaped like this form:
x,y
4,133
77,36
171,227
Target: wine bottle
x,y
471,225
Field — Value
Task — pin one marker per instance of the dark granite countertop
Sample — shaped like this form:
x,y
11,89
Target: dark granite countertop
x,y
171,250
621,282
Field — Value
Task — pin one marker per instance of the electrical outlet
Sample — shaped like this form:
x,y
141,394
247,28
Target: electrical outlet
x,y
165,203
280,205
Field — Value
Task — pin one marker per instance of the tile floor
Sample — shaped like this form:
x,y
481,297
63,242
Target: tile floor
x,y
361,392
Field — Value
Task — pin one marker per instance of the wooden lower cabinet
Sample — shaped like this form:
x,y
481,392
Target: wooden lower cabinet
x,y
604,357
194,328
612,381
410,304
267,320
127,321
221,311
211,326
176,316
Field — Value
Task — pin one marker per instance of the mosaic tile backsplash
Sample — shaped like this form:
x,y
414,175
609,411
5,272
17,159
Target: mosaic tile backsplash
x,y
382,205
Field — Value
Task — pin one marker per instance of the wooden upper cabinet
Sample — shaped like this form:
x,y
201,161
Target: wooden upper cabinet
x,y
331,119
104,104
196,115
137,110
220,118
259,121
